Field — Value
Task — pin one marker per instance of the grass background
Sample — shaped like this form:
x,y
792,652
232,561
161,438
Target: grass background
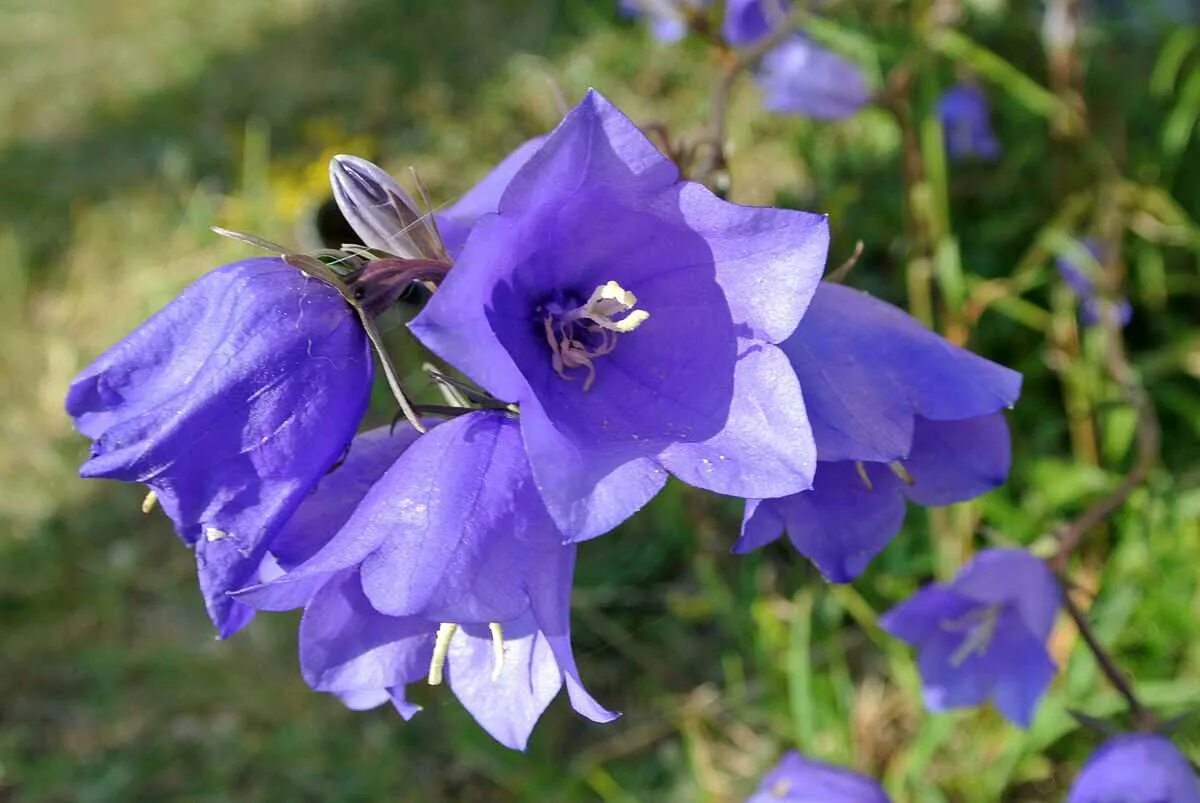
x,y
128,128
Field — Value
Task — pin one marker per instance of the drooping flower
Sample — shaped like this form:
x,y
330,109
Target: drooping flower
x,y
797,779
1077,274
800,77
668,18
1136,768
633,318
983,635
448,567
747,21
898,413
229,404
967,125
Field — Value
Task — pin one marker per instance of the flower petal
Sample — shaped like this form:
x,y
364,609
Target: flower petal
x,y
953,461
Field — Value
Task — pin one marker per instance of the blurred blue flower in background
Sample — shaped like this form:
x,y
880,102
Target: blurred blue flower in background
x,y
1136,768
746,21
800,77
668,18
966,124
1077,274
983,634
797,779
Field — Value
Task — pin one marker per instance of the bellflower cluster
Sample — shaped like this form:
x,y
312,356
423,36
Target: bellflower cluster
x,y
1077,274
983,634
898,414
1136,768
967,125
798,779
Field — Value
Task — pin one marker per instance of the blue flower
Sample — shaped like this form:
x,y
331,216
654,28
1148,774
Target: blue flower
x,y
983,635
797,779
747,21
800,77
668,18
230,404
444,566
633,318
1136,768
966,124
898,413
1077,274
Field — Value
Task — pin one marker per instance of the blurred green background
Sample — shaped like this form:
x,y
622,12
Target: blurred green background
x,y
128,128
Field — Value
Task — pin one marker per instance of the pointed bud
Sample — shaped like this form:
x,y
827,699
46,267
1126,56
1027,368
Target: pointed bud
x,y
380,211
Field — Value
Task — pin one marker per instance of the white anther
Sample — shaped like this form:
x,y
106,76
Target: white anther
x,y
497,649
608,300
213,534
862,475
149,502
441,647
900,471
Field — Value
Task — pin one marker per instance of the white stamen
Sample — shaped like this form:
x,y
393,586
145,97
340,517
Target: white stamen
x,y
900,471
213,534
596,319
608,300
149,502
980,627
497,649
441,647
862,475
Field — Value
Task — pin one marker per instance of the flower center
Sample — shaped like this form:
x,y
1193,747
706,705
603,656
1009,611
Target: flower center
x,y
441,648
578,335
979,625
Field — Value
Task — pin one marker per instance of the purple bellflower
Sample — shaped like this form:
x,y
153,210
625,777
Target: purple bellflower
x,y
800,77
633,317
1077,274
966,124
984,634
447,568
668,18
229,404
898,413
747,21
1136,768
797,779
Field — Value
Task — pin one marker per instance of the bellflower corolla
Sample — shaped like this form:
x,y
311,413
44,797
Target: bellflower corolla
x,y
966,124
633,318
668,18
800,77
898,413
746,21
797,779
984,633
1136,768
1077,274
230,404
448,568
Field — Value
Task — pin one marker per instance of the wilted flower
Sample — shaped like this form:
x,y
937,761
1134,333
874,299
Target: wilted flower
x,y
800,77
449,566
1136,768
229,404
983,634
1077,274
633,318
966,124
796,779
749,20
668,18
897,413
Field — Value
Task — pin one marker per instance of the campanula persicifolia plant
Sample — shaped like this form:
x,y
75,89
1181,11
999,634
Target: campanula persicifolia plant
x,y
603,317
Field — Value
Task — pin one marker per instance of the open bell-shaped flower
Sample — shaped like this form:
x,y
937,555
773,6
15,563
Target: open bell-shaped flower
x,y
448,568
747,21
983,635
799,779
898,413
633,318
800,77
229,404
